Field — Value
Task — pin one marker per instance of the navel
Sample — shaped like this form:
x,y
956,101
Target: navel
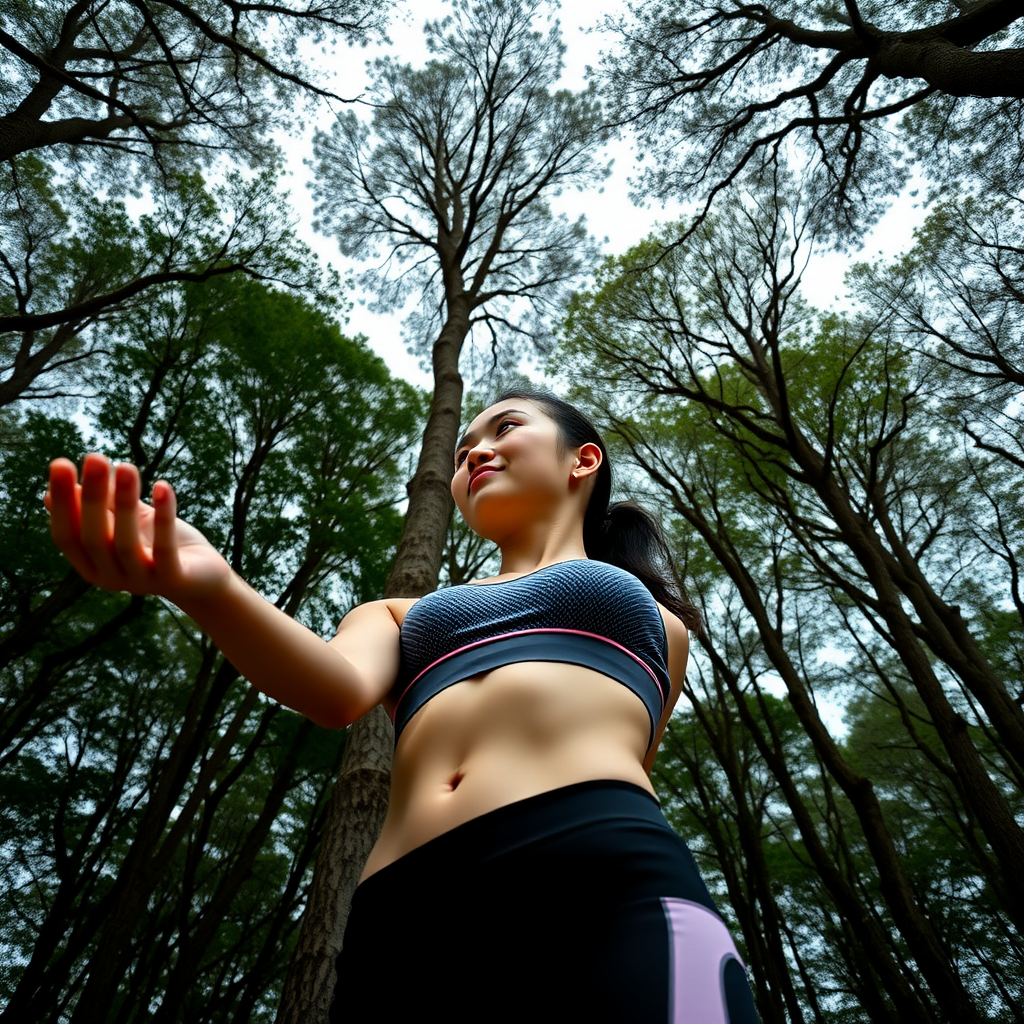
x,y
453,782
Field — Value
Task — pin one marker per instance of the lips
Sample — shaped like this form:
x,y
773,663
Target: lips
x,y
480,473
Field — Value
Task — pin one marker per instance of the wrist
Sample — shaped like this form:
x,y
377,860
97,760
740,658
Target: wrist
x,y
207,604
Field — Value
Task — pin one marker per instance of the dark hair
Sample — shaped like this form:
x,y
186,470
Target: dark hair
x,y
621,533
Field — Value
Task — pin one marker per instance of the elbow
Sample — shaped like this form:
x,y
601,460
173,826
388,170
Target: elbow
x,y
330,720
340,714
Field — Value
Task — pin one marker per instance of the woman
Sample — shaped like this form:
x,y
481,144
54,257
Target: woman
x,y
524,869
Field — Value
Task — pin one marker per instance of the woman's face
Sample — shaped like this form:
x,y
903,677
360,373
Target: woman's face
x,y
508,470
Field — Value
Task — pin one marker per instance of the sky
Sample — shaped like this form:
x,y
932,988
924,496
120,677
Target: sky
x,y
621,223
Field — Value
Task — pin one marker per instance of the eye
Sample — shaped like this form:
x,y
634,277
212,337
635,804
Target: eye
x,y
460,456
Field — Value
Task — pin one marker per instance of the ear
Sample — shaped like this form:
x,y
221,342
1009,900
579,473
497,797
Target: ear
x,y
588,460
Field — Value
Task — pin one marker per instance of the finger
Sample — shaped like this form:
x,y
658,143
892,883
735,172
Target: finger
x,y
63,501
128,552
97,500
165,541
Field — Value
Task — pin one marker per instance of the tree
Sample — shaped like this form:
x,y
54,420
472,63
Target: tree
x,y
72,262
157,81
718,88
451,181
800,447
164,873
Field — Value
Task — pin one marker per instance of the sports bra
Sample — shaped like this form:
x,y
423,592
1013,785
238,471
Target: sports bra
x,y
582,611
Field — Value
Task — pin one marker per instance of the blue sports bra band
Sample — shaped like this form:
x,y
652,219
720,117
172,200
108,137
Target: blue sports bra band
x,y
562,645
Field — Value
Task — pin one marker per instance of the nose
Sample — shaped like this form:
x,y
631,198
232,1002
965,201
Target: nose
x,y
477,456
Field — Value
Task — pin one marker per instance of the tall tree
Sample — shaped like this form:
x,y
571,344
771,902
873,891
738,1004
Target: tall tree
x,y
449,184
716,88
800,447
158,879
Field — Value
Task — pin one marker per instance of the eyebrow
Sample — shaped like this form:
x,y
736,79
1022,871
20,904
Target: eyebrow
x,y
469,436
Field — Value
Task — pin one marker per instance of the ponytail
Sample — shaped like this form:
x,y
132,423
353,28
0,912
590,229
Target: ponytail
x,y
621,533
631,538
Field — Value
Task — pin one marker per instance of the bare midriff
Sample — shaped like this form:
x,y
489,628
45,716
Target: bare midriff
x,y
503,736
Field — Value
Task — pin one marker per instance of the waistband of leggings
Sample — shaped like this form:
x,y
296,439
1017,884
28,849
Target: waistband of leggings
x,y
523,823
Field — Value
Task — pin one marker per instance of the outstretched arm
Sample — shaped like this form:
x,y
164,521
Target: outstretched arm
x,y
118,542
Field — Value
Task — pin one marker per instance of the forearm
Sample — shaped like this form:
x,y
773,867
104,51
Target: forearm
x,y
279,656
118,542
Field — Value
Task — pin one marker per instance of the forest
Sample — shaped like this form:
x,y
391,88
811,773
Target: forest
x,y
840,482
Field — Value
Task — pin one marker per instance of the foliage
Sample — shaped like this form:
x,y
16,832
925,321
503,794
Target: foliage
x,y
160,820
71,261
863,94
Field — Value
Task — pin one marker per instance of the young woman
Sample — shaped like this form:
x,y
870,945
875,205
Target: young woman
x,y
525,870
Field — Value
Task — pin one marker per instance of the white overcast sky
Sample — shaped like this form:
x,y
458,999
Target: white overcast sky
x,y
612,217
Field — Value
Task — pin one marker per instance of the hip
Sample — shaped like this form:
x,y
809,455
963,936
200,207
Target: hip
x,y
577,903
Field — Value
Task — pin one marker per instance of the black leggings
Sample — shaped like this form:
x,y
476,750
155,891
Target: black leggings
x,y
580,904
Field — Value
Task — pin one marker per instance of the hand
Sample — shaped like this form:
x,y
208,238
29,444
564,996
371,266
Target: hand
x,y
118,542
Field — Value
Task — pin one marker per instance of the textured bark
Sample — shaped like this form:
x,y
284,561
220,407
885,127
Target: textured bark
x,y
940,54
358,805
420,550
957,72
360,797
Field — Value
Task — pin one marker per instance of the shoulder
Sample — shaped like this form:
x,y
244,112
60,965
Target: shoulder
x,y
368,637
384,614
674,626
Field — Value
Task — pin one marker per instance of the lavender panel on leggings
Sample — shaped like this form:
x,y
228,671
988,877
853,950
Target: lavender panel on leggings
x,y
700,947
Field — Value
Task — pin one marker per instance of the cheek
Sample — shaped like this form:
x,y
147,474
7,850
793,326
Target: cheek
x,y
458,488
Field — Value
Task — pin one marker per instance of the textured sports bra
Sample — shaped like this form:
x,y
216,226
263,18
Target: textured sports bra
x,y
583,612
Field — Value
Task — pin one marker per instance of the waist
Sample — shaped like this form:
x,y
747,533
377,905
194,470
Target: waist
x,y
531,822
517,731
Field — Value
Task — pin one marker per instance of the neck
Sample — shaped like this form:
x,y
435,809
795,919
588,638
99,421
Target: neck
x,y
542,544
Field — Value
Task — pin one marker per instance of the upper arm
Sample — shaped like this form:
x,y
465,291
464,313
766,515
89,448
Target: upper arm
x,y
678,652
368,640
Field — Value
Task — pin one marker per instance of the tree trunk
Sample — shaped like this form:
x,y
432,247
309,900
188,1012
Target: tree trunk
x,y
360,797
928,950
